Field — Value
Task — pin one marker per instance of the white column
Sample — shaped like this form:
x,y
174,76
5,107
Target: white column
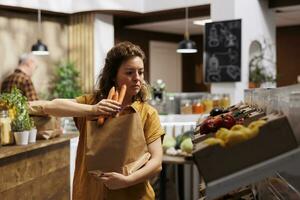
x,y
103,40
258,23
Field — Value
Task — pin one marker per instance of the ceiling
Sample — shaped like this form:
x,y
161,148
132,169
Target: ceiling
x,y
172,26
288,16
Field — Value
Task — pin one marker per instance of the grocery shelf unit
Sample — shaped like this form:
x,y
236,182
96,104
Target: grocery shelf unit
x,y
288,162
187,176
284,166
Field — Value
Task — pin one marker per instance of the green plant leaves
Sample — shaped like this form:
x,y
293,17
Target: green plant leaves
x,y
16,100
66,82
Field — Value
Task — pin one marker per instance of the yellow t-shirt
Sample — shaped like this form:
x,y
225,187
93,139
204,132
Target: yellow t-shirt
x,y
87,188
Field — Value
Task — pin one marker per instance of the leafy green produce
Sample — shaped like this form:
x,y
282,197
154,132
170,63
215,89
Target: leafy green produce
x,y
187,145
182,137
169,141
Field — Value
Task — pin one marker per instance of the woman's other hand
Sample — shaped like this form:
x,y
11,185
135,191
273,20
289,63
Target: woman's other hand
x,y
114,180
106,107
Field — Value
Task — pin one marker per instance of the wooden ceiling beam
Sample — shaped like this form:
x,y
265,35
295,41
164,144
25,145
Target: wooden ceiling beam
x,y
283,3
164,15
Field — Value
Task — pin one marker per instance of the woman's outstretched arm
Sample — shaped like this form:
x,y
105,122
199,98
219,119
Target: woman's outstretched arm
x,y
70,108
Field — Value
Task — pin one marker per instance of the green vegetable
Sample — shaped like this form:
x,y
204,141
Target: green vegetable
x,y
182,137
169,141
187,145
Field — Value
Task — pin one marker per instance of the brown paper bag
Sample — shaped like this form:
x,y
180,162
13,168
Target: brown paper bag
x,y
47,127
117,146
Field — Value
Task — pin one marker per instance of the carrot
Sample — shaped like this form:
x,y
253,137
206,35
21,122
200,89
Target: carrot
x,y
111,93
116,96
122,94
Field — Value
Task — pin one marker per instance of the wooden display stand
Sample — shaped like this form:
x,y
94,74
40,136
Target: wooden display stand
x,y
36,171
274,138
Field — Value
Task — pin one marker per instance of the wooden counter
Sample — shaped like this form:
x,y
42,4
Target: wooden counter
x,y
36,171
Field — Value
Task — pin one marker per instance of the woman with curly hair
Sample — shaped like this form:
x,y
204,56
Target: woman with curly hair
x,y
124,65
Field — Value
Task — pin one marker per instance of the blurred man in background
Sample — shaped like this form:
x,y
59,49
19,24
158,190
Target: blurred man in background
x,y
21,78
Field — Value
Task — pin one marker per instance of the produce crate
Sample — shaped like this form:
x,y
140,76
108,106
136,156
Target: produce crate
x,y
275,137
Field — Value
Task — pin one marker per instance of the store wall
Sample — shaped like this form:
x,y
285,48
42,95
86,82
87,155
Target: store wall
x,y
103,41
18,32
192,80
288,51
258,23
192,69
143,38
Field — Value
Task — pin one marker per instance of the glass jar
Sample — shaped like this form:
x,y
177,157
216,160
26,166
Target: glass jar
x,y
6,135
197,107
186,106
216,100
170,104
225,101
207,102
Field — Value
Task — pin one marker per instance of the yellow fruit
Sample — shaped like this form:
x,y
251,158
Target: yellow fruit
x,y
222,134
254,126
214,141
236,137
255,131
237,127
257,123
248,132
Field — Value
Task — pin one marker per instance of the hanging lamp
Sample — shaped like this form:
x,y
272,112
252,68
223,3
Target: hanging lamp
x,y
187,45
39,48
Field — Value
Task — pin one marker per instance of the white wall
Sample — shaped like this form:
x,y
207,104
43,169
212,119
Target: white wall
x,y
257,22
165,64
103,40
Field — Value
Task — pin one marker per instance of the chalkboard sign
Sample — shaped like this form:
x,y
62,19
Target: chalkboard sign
x,y
222,51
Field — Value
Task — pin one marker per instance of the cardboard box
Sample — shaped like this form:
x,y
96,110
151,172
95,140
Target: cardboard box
x,y
274,138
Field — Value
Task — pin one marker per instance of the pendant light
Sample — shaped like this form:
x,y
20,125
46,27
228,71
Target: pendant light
x,y
187,45
39,48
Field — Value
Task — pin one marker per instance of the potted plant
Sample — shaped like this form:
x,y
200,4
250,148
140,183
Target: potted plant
x,y
258,75
66,81
66,86
32,132
260,60
21,121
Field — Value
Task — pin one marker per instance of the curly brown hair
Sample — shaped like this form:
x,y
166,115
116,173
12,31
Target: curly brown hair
x,y
119,54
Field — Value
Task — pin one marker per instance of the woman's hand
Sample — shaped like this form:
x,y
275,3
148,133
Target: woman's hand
x,y
106,107
114,180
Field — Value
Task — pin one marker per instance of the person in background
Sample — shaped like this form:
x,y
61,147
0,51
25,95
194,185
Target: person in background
x,y
124,64
21,78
